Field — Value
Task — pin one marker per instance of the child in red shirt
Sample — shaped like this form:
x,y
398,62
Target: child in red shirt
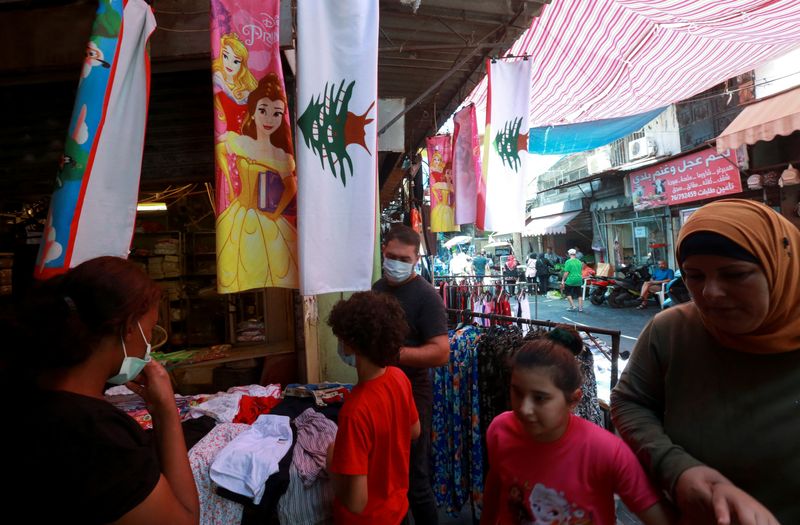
x,y
548,466
369,460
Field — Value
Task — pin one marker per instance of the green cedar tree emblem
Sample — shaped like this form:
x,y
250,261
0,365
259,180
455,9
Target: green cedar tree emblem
x,y
328,127
509,142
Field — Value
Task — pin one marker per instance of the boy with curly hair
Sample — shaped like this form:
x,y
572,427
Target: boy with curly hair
x,y
369,460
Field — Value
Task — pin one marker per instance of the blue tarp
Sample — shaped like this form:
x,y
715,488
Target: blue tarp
x,y
574,138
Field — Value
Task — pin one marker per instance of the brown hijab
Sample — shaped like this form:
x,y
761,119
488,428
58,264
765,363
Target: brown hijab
x,y
775,242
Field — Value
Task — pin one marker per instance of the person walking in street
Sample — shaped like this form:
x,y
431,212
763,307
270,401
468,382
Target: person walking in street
x,y
543,270
572,280
426,346
510,272
530,272
479,266
661,276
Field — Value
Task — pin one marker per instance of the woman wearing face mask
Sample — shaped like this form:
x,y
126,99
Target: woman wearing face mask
x,y
709,399
73,456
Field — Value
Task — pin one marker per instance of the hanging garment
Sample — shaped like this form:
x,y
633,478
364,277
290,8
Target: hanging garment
x,y
589,406
214,510
456,450
523,311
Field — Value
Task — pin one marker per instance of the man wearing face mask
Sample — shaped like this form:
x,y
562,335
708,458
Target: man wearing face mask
x,y
426,346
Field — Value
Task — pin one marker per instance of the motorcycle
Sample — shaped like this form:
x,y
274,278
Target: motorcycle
x,y
626,292
598,288
676,291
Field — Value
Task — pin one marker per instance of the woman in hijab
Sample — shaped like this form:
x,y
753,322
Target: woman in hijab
x,y
710,400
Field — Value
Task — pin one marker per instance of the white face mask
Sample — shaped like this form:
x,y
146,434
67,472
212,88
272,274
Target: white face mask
x,y
131,366
397,271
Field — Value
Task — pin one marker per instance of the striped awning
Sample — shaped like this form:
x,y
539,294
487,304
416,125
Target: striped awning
x,y
614,58
778,115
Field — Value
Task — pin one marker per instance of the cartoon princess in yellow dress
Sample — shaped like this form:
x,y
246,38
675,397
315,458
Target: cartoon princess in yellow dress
x,y
442,214
256,233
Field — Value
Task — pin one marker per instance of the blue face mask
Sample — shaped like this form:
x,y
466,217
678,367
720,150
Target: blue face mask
x,y
397,271
131,366
349,360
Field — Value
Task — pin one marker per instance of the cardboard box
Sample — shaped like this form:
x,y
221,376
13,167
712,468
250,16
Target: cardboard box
x,y
604,270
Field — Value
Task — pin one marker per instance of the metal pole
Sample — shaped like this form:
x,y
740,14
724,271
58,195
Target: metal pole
x,y
430,90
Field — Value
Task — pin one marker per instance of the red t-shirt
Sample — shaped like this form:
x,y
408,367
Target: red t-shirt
x,y
569,481
374,438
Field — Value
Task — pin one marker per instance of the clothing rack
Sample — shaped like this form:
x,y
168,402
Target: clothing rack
x,y
616,335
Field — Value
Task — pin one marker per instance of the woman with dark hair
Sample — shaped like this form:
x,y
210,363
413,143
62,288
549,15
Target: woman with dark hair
x,y
74,457
709,398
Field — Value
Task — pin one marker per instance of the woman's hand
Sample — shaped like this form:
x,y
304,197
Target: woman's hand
x,y
704,495
732,505
153,384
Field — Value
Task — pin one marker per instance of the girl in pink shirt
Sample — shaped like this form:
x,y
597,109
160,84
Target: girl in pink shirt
x,y
548,466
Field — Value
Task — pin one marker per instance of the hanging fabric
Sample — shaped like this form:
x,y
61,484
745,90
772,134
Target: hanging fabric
x,y
457,454
93,208
440,162
466,164
256,185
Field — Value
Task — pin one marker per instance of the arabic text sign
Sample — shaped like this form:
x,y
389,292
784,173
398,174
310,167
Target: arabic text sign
x,y
702,175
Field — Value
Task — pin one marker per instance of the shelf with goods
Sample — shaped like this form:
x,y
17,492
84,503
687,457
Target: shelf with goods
x,y
160,254
201,253
259,330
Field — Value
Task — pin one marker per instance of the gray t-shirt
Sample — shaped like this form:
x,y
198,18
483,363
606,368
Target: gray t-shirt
x,y
426,317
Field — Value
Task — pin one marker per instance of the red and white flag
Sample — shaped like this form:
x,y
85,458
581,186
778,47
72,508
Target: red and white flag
x,y
505,145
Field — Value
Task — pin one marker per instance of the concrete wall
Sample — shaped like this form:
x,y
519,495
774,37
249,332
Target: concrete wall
x,y
781,73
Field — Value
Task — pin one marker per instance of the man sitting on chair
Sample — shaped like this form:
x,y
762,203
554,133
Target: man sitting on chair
x,y
661,276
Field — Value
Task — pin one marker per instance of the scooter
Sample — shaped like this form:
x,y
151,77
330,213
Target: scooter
x,y
676,292
599,288
626,292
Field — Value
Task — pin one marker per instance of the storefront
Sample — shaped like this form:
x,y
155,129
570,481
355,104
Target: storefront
x,y
560,226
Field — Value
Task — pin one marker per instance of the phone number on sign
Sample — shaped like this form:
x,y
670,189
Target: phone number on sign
x,y
686,195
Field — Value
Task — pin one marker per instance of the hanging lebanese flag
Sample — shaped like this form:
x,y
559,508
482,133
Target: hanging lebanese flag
x,y
256,185
441,183
93,208
466,164
337,90
505,145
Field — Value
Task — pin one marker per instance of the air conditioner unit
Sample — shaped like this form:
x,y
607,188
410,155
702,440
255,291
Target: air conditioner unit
x,y
641,148
599,162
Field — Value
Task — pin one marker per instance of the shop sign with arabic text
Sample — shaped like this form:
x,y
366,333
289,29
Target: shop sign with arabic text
x,y
702,175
